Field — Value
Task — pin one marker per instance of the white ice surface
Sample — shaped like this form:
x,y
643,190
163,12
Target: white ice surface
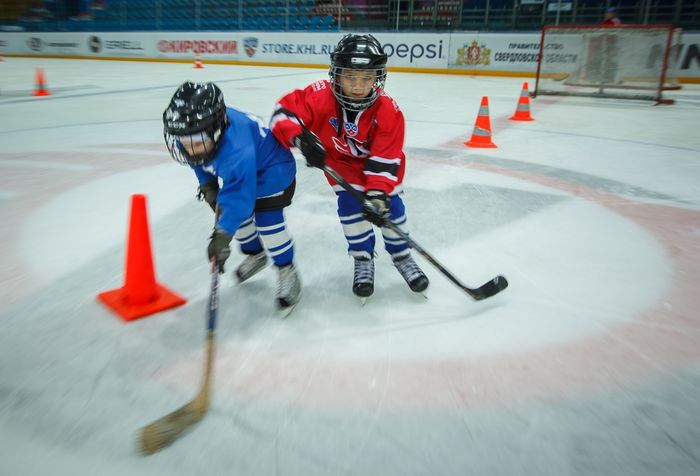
x,y
586,364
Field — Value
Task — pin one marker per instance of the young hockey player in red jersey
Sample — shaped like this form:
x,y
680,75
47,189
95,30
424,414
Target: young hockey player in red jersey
x,y
611,18
351,124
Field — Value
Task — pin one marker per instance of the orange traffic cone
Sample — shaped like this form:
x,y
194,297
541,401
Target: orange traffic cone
x,y
522,110
481,137
40,84
141,295
198,63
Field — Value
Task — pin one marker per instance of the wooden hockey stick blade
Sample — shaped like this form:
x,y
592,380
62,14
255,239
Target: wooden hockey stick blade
x,y
488,289
167,429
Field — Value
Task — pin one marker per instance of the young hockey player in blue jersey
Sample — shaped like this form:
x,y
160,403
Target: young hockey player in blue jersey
x,y
257,175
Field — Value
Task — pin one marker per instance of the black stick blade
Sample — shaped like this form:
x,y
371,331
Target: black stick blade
x,y
491,288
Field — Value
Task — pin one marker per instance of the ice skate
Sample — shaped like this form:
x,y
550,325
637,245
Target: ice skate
x,y
288,289
363,278
412,274
250,266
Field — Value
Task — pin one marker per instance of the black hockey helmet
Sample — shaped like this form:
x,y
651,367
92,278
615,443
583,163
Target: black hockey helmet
x,y
196,113
358,52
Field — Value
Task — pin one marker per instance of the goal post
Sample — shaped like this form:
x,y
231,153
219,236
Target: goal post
x,y
624,61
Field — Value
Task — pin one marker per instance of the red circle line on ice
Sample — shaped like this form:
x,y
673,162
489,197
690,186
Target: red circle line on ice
x,y
655,342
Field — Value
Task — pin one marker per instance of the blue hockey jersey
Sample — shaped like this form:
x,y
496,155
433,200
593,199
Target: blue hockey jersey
x,y
251,163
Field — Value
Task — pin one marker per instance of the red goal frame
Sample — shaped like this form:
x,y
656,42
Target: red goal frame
x,y
660,87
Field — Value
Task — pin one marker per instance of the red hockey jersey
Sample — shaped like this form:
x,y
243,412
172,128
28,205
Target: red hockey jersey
x,y
367,152
614,21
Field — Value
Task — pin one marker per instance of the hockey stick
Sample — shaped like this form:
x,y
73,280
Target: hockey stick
x,y
167,429
486,290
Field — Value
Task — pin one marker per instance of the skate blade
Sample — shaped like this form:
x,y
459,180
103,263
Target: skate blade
x,y
284,312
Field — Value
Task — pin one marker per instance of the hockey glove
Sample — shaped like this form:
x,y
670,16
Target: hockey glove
x,y
208,193
219,248
310,146
376,207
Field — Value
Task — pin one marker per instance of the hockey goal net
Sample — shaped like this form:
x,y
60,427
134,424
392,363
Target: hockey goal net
x,y
626,61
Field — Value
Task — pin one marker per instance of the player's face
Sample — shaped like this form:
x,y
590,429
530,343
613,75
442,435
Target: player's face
x,y
357,83
195,147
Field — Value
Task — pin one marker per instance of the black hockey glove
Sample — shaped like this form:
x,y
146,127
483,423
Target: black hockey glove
x,y
208,193
310,146
376,207
219,248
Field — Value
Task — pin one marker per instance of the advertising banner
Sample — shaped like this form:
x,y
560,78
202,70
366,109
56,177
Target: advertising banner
x,y
518,53
471,52
495,52
184,45
301,48
117,45
429,50
405,50
689,56
45,44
